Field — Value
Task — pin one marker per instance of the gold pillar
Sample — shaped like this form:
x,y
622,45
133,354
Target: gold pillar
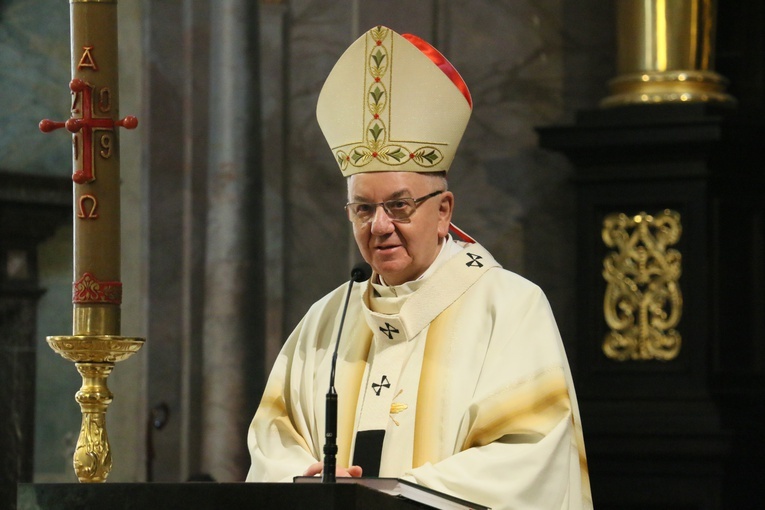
x,y
665,53
95,344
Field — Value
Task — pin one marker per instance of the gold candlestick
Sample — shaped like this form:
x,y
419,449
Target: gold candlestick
x,y
94,357
95,345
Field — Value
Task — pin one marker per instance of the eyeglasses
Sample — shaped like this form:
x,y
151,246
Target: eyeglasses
x,y
397,209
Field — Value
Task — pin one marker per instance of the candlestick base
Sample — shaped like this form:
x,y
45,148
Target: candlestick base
x,y
94,357
652,87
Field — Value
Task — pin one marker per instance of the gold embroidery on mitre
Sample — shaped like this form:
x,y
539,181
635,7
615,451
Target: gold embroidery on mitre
x,y
376,144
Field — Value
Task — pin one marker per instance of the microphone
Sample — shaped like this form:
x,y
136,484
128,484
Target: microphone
x,y
359,273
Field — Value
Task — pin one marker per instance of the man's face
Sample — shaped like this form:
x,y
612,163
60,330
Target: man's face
x,y
401,251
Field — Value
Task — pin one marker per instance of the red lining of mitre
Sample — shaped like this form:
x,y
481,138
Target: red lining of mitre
x,y
460,234
437,58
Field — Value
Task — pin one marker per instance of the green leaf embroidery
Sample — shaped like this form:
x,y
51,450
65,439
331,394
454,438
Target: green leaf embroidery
x,y
431,156
398,155
376,130
376,94
378,58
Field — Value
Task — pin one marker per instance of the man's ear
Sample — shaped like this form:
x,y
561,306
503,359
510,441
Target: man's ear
x,y
445,210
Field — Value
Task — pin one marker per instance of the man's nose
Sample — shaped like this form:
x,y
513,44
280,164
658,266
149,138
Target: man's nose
x,y
381,222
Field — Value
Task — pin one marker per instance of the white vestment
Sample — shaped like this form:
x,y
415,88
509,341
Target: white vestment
x,y
469,380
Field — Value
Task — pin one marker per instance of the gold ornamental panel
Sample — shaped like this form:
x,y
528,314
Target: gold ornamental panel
x,y
643,302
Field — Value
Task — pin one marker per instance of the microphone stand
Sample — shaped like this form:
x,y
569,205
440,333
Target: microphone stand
x,y
359,273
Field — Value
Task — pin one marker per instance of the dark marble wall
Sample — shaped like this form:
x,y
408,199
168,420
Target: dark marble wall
x,y
17,366
31,208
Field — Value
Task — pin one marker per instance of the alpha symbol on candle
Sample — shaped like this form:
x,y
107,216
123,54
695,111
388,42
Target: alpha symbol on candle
x,y
87,60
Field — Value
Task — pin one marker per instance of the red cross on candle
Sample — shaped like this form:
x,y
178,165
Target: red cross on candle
x,y
86,124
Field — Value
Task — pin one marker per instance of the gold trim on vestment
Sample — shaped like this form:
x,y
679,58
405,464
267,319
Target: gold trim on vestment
x,y
430,409
350,379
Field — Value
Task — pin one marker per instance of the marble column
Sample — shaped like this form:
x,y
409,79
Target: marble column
x,y
234,281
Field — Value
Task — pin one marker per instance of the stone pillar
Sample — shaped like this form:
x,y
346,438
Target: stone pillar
x,y
234,281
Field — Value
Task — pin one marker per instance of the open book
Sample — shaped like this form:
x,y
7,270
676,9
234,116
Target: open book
x,y
404,489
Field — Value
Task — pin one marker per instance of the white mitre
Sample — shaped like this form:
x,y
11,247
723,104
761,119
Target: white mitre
x,y
393,103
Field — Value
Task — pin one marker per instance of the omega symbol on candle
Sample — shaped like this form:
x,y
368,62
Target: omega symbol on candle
x,y
85,212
